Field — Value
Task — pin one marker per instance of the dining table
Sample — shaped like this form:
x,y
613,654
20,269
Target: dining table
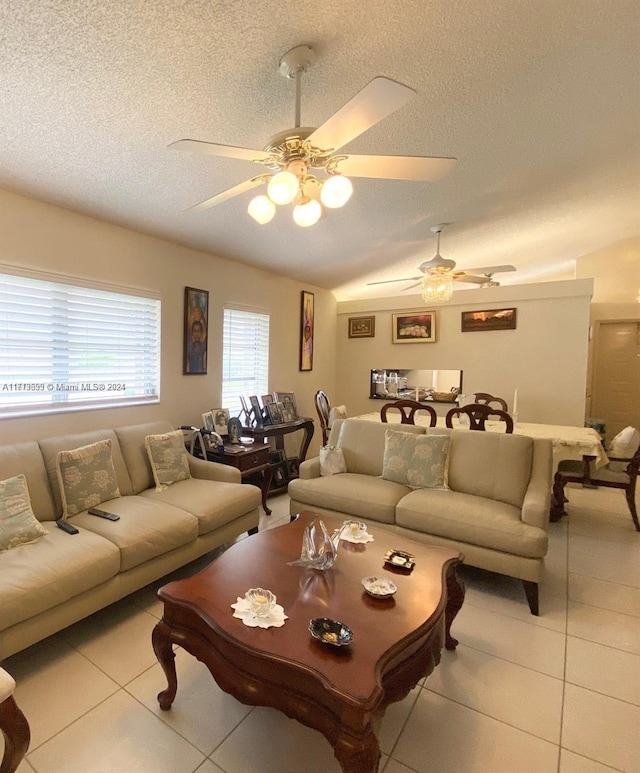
x,y
568,442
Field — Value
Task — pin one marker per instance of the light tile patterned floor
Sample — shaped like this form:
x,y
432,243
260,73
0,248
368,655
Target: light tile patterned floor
x,y
554,694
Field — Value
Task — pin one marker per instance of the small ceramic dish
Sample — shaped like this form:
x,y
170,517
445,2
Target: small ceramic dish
x,y
399,559
330,631
379,587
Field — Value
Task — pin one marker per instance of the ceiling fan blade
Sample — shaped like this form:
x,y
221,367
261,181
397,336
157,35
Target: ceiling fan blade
x,y
387,281
417,284
213,149
422,168
378,99
469,279
491,269
247,185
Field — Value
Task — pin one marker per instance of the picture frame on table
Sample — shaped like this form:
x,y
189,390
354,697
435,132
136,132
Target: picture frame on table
x,y
288,399
220,420
207,421
280,476
288,413
490,319
362,327
307,325
196,328
275,413
413,327
266,399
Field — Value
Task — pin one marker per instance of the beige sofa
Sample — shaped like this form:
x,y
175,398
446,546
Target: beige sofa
x,y
495,510
62,578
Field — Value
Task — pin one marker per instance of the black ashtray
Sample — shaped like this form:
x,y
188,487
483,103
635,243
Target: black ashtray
x,y
330,631
399,559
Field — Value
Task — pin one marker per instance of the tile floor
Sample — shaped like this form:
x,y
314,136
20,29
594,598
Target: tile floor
x,y
534,695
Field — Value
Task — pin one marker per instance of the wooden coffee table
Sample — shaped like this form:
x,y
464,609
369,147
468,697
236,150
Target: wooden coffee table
x,y
340,691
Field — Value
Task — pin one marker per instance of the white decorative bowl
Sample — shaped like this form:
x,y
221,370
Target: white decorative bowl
x,y
379,587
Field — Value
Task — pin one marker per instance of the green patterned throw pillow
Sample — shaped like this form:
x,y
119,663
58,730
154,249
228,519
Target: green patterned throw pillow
x,y
18,524
418,461
168,457
86,477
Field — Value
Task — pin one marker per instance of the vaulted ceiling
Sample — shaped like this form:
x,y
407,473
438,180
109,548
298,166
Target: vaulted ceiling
x,y
538,101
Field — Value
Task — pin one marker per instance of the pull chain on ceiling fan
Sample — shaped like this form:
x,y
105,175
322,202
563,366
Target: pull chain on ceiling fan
x,y
290,154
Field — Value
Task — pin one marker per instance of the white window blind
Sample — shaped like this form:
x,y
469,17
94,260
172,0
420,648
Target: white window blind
x,y
66,347
245,356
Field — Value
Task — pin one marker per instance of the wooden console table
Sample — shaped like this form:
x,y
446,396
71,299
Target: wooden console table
x,y
251,460
278,431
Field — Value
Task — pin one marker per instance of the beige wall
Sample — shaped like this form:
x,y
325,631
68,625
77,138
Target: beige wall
x,y
615,270
545,358
44,237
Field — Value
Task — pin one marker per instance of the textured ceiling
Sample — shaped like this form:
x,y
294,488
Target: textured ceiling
x,y
539,101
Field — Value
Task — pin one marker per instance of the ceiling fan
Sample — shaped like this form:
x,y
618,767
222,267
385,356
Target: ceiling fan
x,y
291,154
439,271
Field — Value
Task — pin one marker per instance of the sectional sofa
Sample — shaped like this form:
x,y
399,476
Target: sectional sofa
x,y
62,578
494,506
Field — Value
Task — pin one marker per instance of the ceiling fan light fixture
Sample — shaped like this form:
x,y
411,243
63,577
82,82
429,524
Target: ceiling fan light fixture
x,y
307,212
261,209
437,288
283,187
336,191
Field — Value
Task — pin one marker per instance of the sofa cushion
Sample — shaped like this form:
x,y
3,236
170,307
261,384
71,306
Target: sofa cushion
x,y
18,524
37,577
213,503
490,465
86,477
363,496
362,443
131,440
471,519
26,459
418,461
168,457
146,529
52,445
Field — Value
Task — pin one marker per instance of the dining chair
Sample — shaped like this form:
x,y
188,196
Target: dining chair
x,y
408,410
13,726
613,475
484,398
477,414
323,407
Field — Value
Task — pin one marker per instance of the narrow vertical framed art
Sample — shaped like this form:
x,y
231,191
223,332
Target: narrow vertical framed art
x,y
196,328
307,324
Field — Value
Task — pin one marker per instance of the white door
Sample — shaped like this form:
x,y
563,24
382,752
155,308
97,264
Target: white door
x,y
616,375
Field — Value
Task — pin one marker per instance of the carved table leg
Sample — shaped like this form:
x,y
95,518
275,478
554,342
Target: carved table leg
x,y
358,755
15,729
166,657
455,597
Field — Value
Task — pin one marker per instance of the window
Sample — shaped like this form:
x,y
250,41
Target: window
x,y
68,347
245,356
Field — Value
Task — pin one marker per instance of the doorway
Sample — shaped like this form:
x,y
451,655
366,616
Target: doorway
x,y
616,375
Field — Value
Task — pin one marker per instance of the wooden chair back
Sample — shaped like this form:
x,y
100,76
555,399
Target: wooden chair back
x,y
478,414
484,398
408,410
323,407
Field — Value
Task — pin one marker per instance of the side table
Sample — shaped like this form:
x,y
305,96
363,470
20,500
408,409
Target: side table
x,y
250,460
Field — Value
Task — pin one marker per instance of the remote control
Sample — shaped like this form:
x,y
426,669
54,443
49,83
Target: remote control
x,y
103,514
66,526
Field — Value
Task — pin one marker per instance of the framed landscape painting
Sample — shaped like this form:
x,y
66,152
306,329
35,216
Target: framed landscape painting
x,y
414,327
492,319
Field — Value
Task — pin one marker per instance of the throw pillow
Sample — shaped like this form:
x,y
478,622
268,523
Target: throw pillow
x,y
623,446
418,461
332,461
86,477
168,457
339,412
18,524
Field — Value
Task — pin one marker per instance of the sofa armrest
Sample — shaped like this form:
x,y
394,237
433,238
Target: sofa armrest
x,y
310,468
537,498
199,468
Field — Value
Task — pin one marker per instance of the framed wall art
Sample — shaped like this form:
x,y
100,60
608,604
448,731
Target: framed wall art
x,y
362,327
414,327
307,313
491,319
196,322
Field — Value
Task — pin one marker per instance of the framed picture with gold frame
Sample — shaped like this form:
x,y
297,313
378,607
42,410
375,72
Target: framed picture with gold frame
x,y
362,327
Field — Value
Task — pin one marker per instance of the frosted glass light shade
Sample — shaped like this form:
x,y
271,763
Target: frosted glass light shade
x,y
336,191
437,288
307,212
283,187
261,209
